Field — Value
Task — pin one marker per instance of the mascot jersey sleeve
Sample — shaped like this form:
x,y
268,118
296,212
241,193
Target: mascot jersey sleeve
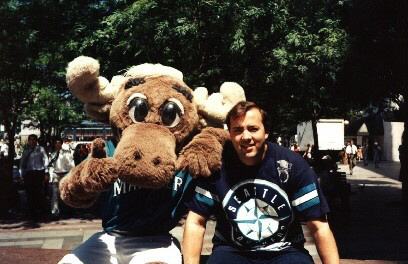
x,y
260,208
138,211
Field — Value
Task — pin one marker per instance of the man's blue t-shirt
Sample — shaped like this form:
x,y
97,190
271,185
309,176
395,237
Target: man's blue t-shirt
x,y
140,211
260,207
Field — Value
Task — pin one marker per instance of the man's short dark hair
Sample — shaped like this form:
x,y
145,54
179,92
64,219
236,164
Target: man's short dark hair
x,y
241,108
34,136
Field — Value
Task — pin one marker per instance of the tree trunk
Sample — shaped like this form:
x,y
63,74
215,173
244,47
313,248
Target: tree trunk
x,y
315,148
315,136
7,192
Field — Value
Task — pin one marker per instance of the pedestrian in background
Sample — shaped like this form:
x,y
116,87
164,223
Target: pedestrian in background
x,y
33,173
61,163
402,157
377,154
296,148
308,154
351,151
359,153
365,154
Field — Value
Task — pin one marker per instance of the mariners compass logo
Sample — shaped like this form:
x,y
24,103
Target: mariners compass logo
x,y
260,213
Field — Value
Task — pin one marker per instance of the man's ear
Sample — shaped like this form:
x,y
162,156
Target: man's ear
x,y
266,136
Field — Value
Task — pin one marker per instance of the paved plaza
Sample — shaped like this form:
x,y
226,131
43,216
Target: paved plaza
x,y
374,230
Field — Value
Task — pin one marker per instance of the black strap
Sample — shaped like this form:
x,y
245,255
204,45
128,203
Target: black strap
x,y
54,159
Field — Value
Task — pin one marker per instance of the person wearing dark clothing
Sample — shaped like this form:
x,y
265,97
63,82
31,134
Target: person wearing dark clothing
x,y
377,154
260,196
33,173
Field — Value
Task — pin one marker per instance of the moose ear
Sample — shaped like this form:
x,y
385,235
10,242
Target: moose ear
x,y
213,109
96,92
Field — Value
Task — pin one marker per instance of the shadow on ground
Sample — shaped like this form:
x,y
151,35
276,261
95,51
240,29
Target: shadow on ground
x,y
376,227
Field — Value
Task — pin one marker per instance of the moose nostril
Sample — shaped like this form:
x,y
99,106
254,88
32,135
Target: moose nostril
x,y
156,161
138,156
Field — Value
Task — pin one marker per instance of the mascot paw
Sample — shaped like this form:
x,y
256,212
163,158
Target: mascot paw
x,y
202,156
73,194
98,148
99,174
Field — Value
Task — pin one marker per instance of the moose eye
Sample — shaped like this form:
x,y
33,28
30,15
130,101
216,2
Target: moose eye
x,y
171,112
139,108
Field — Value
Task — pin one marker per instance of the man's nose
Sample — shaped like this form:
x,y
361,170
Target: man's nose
x,y
246,135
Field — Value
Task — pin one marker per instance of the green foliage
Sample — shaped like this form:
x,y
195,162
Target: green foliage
x,y
32,63
377,66
286,54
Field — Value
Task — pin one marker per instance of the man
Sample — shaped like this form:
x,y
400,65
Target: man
x,y
377,154
365,154
33,173
260,196
60,164
3,149
351,151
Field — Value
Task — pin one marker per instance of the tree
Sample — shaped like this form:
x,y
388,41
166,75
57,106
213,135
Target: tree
x,y
376,69
286,54
51,111
33,45
283,53
17,78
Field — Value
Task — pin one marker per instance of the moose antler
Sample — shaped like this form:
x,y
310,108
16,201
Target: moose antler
x,y
93,90
214,108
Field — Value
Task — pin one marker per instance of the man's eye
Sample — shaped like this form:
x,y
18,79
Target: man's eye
x,y
253,129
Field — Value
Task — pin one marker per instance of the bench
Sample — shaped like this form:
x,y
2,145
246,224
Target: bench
x,y
333,184
342,189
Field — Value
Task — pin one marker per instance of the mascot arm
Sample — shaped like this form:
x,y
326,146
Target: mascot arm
x,y
202,155
93,176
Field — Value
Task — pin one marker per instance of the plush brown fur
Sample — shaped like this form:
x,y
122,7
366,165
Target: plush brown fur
x,y
146,154
203,154
99,148
72,191
157,90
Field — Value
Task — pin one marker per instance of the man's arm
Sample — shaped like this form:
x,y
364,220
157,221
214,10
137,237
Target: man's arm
x,y
20,168
193,236
324,240
45,159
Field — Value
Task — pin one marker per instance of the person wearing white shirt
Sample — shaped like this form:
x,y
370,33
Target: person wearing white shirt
x,y
61,163
33,173
351,151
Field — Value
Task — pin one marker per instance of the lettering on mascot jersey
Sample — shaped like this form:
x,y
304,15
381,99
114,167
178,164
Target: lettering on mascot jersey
x,y
260,213
120,187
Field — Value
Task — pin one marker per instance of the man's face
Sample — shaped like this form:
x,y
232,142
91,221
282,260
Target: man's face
x,y
248,136
351,142
32,141
58,145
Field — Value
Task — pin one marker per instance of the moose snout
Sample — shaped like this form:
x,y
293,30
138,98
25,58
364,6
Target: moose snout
x,y
146,154
155,160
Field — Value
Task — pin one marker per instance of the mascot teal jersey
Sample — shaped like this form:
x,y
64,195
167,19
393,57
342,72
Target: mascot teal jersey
x,y
140,211
261,207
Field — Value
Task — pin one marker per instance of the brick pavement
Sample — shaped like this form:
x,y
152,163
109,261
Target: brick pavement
x,y
374,231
